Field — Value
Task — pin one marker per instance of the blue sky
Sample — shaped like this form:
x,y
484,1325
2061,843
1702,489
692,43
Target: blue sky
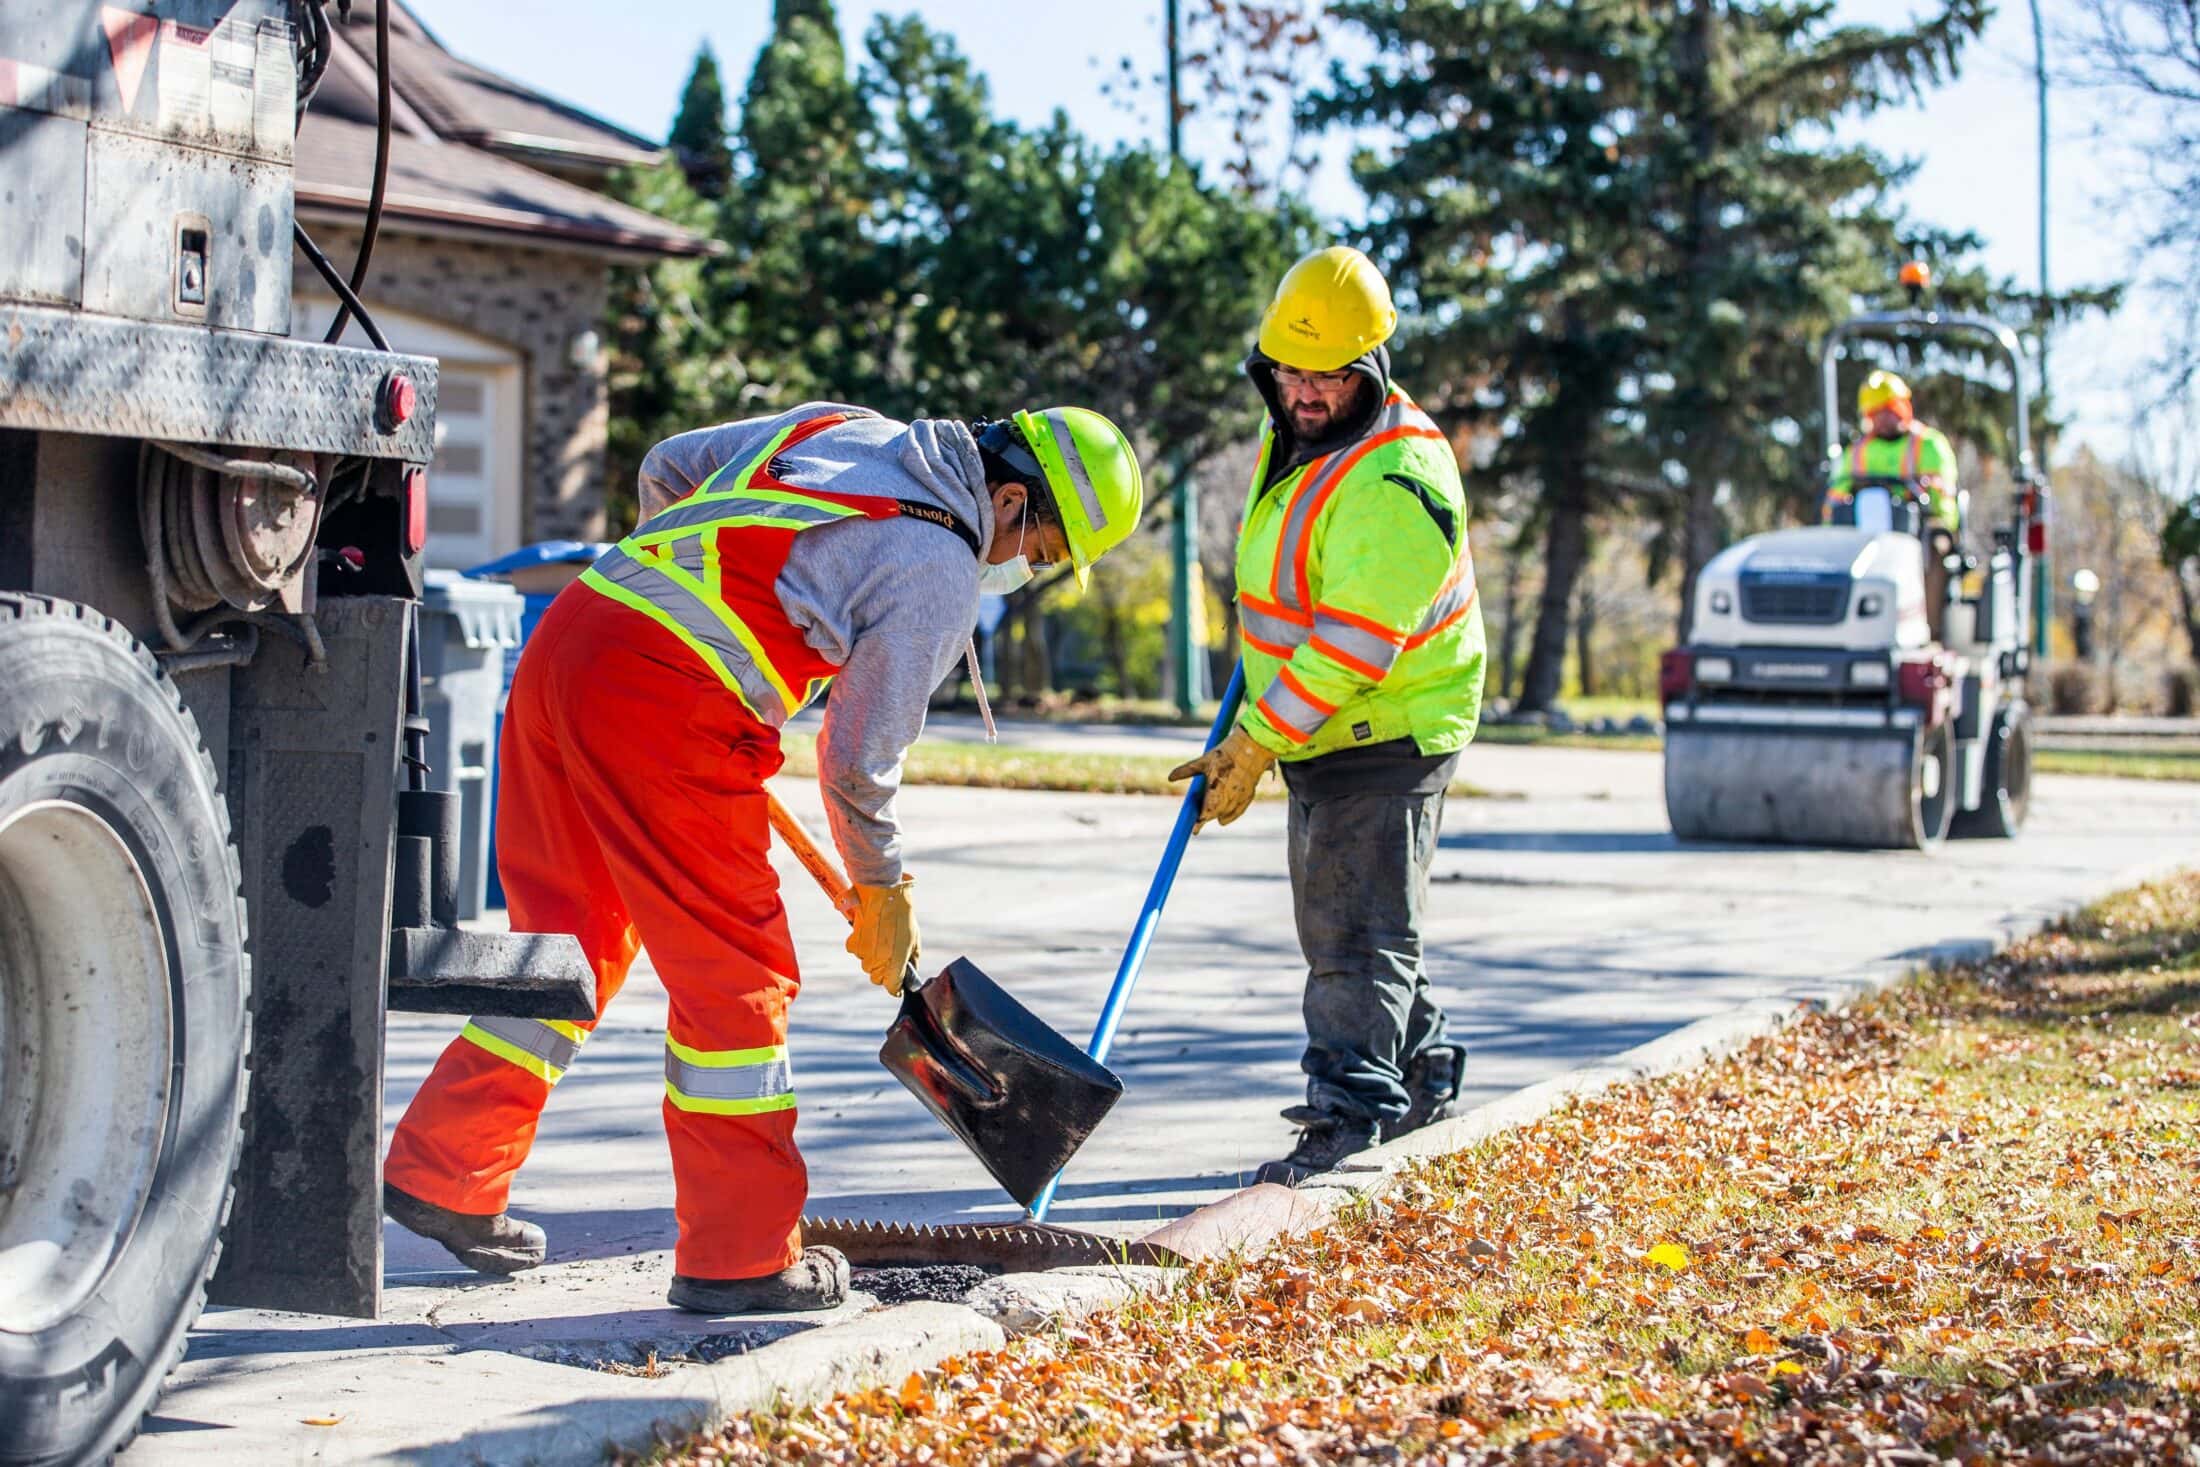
x,y
1974,139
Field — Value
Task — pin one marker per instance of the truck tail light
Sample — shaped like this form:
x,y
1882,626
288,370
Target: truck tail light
x,y
1923,681
2035,538
1676,669
416,510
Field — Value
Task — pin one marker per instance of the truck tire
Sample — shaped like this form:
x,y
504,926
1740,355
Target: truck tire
x,y
123,1030
2005,790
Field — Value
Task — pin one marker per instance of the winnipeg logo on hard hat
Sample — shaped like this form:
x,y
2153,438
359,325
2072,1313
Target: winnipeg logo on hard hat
x,y
1306,328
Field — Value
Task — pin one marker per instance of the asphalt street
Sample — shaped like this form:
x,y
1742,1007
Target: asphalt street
x,y
1565,926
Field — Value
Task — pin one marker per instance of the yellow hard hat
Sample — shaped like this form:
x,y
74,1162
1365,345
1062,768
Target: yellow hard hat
x,y
1880,389
1331,309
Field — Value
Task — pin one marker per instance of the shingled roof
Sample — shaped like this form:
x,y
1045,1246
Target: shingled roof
x,y
471,152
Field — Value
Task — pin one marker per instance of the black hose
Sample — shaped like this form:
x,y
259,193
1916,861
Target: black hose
x,y
381,176
337,283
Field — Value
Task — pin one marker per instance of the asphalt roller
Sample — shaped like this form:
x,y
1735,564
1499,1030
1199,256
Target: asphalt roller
x,y
1833,691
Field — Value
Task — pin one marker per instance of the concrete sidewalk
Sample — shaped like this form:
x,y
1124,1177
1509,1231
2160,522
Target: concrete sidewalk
x,y
1566,927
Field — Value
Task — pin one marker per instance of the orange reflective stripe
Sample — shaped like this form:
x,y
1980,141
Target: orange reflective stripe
x,y
1856,457
1446,622
1369,624
1343,658
1302,550
1911,454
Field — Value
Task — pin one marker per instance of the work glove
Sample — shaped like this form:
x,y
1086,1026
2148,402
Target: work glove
x,y
1233,769
885,936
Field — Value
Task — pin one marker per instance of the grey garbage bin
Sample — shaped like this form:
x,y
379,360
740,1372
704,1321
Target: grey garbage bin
x,y
465,627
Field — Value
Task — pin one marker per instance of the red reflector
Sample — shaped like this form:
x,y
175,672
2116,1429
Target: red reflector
x,y
2035,537
416,511
1921,682
399,399
1676,670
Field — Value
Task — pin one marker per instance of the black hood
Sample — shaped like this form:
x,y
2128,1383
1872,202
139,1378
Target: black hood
x,y
1290,453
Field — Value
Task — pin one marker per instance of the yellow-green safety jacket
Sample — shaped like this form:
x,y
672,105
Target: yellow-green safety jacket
x,y
1923,456
1356,599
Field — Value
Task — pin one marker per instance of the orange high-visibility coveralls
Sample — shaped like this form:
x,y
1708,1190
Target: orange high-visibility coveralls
x,y
631,809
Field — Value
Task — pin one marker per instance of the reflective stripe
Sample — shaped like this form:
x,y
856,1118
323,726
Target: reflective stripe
x,y
1276,635
1856,457
728,1082
1911,454
1296,713
1358,643
1398,419
733,508
1079,479
1454,602
544,1047
712,632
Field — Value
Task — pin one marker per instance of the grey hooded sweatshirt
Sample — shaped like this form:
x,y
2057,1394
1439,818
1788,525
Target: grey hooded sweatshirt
x,y
891,602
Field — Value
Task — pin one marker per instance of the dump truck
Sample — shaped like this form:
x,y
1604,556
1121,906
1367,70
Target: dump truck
x,y
221,857
1821,700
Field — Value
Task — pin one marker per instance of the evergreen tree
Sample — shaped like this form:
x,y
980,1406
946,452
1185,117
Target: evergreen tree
x,y
808,286
698,137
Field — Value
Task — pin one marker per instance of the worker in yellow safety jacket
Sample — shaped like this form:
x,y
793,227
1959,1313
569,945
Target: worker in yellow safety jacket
x,y
1895,445
1363,655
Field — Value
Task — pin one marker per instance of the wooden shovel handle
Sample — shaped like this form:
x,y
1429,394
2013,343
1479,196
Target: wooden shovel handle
x,y
816,862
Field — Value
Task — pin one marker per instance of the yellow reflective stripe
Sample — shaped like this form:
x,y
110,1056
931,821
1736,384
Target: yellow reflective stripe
x,y
771,451
598,582
708,595
510,1053
719,1059
728,1082
651,539
701,1106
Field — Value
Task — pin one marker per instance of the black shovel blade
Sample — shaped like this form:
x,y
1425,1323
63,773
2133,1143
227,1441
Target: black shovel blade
x,y
1019,1095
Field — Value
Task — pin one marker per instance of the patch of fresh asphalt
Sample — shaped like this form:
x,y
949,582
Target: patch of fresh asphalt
x,y
1563,928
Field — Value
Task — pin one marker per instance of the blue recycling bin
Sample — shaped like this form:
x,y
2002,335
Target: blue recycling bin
x,y
538,572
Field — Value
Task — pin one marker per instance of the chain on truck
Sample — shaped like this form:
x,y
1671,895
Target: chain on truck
x,y
220,857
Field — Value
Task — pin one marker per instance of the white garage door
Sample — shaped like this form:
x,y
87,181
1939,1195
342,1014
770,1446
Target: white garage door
x,y
474,480
462,499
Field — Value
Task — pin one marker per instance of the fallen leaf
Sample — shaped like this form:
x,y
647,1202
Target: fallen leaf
x,y
1757,1342
1669,1256
322,1420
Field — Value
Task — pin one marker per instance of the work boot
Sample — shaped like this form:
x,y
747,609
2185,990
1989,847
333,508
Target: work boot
x,y
1432,1078
816,1280
1327,1140
497,1243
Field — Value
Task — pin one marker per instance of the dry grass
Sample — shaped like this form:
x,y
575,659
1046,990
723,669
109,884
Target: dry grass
x,y
1004,767
1960,1223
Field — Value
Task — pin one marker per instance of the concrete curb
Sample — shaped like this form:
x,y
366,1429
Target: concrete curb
x,y
883,1348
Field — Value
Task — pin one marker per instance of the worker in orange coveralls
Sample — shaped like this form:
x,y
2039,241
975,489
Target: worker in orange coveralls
x,y
775,556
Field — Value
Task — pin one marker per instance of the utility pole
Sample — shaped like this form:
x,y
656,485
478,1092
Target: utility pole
x,y
1184,588
2043,583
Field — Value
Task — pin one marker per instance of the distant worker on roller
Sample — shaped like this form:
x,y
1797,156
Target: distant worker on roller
x,y
827,545
1894,445
1363,656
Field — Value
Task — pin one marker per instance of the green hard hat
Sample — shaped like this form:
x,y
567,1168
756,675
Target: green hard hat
x,y
1093,475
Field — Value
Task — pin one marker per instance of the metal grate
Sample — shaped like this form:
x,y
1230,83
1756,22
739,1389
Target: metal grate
x,y
1796,603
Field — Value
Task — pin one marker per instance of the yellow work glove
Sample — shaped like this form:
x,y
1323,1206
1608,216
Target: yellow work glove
x,y
1233,769
885,936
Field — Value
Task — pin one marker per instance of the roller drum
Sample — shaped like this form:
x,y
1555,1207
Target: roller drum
x,y
1805,788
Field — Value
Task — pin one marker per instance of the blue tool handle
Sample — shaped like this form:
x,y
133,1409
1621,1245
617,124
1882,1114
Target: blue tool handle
x,y
1149,915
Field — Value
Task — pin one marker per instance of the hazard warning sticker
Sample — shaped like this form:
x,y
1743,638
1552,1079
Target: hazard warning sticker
x,y
186,78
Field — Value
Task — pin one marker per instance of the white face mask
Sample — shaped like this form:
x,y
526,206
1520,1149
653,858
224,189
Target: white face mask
x,y
1012,574
1009,575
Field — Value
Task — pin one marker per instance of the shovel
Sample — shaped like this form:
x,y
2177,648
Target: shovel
x,y
1019,1095
1149,915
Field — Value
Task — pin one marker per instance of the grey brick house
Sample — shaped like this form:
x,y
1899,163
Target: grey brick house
x,y
495,256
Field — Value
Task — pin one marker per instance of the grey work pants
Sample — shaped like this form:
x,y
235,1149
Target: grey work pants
x,y
1359,883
